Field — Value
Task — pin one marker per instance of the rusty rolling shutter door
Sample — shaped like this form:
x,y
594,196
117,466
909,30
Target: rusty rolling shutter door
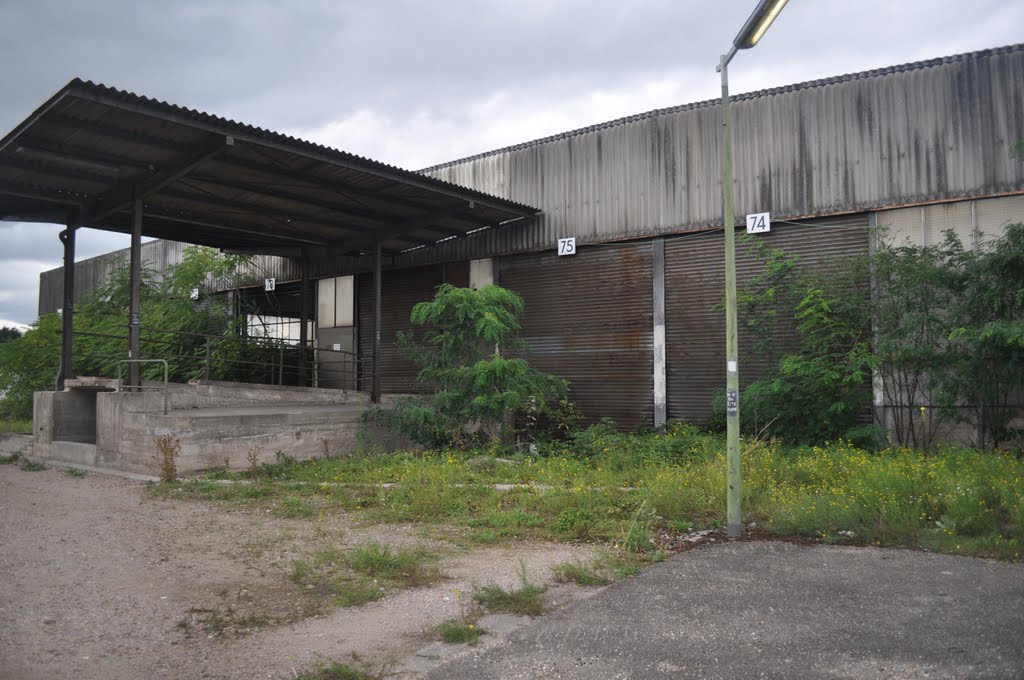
x,y
401,290
695,289
589,320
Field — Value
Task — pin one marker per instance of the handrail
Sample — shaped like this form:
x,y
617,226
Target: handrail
x,y
254,359
145,361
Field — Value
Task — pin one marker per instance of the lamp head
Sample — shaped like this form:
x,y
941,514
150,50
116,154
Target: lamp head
x,y
761,18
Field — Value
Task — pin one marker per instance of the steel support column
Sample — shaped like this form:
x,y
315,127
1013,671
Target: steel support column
x,y
304,319
375,392
135,294
67,237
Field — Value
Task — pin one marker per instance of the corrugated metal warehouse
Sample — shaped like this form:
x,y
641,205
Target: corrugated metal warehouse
x,y
921,147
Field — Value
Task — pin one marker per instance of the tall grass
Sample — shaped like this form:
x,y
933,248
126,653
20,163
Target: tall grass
x,y
608,486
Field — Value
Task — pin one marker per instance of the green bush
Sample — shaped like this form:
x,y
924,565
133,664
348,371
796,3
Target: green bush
x,y
31,362
475,388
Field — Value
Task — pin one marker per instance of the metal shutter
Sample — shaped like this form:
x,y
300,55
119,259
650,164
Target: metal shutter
x,y
589,320
695,290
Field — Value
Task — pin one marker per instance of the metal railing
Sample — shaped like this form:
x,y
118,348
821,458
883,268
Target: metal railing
x,y
232,358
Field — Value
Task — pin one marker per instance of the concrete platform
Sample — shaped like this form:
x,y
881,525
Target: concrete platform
x,y
215,424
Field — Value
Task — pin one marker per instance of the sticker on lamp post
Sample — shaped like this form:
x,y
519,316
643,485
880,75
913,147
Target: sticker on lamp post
x,y
567,246
269,284
759,223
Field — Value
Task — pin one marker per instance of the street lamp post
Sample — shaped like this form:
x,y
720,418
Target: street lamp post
x,y
762,17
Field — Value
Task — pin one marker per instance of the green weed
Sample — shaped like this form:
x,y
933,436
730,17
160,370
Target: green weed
x,y
580,574
294,507
455,631
407,568
352,592
329,669
525,600
682,525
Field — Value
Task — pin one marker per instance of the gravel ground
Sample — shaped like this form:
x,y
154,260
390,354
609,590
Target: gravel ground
x,y
97,576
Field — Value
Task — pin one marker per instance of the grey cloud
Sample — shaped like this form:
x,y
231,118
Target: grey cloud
x,y
26,250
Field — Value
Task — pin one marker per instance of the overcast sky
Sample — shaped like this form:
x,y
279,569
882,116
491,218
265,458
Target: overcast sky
x,y
417,83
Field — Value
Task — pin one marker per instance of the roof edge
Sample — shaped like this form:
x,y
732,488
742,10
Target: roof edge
x,y
123,99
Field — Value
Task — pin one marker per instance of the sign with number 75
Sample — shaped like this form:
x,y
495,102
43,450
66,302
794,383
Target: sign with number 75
x,y
567,246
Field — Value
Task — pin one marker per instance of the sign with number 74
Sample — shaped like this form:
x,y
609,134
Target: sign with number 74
x,y
759,223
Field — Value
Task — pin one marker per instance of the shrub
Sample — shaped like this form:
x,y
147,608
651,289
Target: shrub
x,y
475,387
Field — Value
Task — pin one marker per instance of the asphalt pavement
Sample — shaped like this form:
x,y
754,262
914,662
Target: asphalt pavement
x,y
777,610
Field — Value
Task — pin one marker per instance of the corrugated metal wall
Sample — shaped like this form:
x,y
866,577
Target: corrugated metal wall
x,y
400,291
695,289
589,320
158,257
919,133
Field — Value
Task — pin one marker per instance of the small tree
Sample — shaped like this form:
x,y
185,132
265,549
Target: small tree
x,y
914,298
986,336
473,388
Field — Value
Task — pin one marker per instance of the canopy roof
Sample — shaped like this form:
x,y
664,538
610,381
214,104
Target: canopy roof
x,y
88,152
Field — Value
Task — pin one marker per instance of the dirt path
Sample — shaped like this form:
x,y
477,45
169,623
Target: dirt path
x,y
98,578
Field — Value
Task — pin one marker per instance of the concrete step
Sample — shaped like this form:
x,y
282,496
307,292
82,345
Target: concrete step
x,y
270,410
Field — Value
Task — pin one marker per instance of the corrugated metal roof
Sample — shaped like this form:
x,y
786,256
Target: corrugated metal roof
x,y
757,94
932,131
214,181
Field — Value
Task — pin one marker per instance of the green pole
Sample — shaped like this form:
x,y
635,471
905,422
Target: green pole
x,y
732,376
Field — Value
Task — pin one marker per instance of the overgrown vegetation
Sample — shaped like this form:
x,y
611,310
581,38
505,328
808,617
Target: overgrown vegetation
x,y
817,385
176,312
9,333
941,325
950,327
168,448
16,426
632,489
474,387
364,573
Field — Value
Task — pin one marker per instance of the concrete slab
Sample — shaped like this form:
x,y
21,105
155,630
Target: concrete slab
x,y
12,442
777,610
92,384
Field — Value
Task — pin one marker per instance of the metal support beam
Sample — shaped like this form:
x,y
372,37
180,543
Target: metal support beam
x,y
67,237
135,294
375,391
120,197
660,357
304,319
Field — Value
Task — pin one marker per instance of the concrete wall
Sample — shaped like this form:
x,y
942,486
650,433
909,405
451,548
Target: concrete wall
x,y
218,437
215,424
